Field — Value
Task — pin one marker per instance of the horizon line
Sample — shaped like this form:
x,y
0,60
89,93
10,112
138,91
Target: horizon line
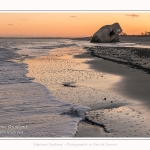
x,y
40,37
51,37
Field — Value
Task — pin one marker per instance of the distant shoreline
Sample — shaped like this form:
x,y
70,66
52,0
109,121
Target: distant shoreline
x,y
76,38
88,37
123,38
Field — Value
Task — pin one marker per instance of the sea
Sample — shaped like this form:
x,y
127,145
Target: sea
x,y
27,108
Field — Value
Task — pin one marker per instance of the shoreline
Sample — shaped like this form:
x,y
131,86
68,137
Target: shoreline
x,y
120,115
139,97
117,94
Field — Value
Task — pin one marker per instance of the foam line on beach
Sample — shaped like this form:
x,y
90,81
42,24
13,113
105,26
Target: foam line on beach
x,y
52,109
53,47
28,103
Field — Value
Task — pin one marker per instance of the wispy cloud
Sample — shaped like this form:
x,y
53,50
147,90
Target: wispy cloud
x,y
10,24
73,16
132,15
24,19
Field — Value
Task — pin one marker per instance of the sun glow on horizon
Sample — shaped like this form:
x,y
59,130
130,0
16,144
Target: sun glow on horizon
x,y
69,24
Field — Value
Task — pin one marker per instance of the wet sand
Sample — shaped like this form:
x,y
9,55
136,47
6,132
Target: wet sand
x,y
118,109
135,83
131,119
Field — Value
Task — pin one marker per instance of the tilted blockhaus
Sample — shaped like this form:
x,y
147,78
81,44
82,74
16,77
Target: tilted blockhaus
x,y
107,34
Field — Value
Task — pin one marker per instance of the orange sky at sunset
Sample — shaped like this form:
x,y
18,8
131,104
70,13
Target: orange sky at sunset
x,y
69,24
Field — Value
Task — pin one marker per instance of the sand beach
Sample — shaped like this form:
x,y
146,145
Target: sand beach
x,y
72,88
115,87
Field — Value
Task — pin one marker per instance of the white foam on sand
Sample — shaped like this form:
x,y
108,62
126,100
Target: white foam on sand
x,y
28,103
27,108
31,105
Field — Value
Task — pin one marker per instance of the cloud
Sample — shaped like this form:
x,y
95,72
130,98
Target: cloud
x,y
10,24
132,15
73,16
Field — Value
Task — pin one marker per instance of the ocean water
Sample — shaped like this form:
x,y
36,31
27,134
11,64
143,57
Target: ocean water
x,y
27,108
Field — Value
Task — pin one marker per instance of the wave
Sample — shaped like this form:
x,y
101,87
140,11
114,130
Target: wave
x,y
77,111
52,47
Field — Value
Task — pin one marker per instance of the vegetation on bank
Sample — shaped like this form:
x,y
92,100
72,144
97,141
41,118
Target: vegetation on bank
x,y
142,34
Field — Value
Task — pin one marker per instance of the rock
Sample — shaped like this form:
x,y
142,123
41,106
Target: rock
x,y
69,84
107,34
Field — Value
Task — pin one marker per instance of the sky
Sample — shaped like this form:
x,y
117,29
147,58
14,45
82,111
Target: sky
x,y
69,24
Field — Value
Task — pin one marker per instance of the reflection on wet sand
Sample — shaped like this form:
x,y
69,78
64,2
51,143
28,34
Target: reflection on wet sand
x,y
93,88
